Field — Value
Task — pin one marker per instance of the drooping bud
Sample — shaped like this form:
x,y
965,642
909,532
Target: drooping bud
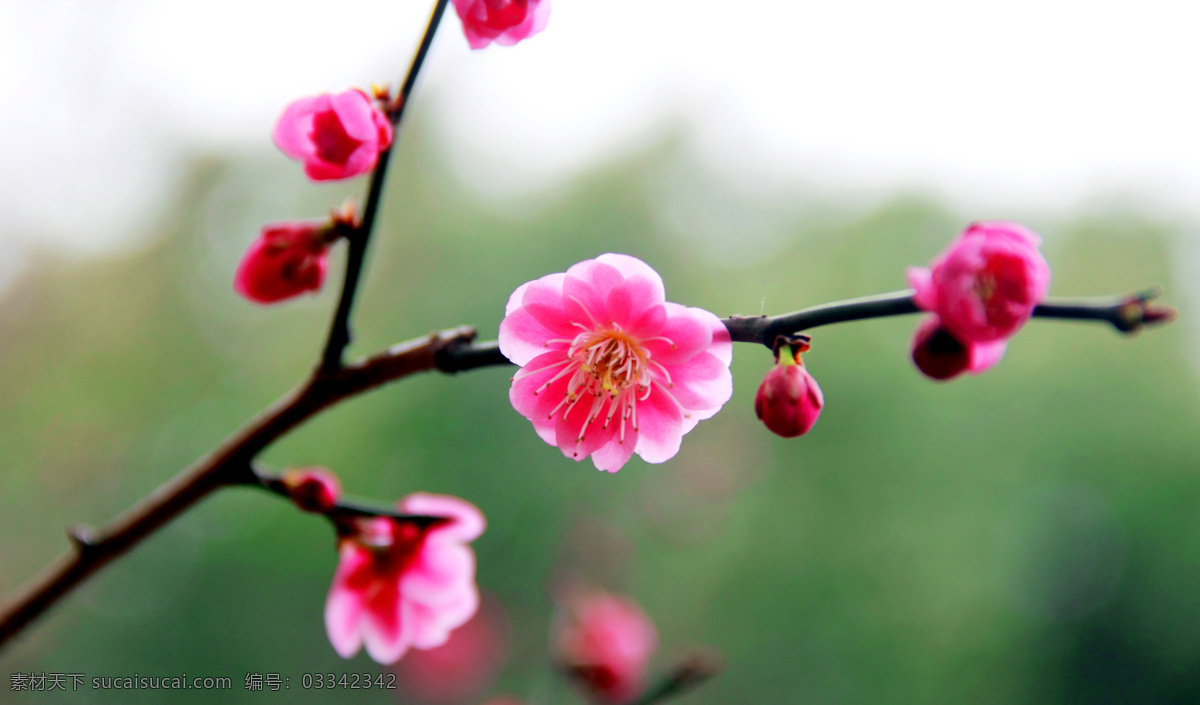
x,y
604,642
312,489
937,353
941,355
286,260
789,400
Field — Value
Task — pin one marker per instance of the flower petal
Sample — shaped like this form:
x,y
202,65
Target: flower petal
x,y
925,296
632,305
354,111
578,431
631,267
984,356
442,567
660,427
613,455
293,131
468,522
344,606
385,626
702,385
684,335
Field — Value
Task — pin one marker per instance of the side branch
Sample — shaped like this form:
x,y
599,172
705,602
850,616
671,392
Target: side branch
x,y
344,508
687,674
1128,314
339,330
449,352
229,464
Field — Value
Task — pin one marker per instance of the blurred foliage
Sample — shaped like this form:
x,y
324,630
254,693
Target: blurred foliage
x,y
1028,535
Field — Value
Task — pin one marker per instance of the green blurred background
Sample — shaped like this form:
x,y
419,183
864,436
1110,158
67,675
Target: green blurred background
x,y
1029,535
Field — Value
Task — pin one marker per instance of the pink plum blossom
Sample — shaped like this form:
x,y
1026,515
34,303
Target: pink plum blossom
x,y
461,669
399,585
789,401
286,260
505,22
985,285
337,136
609,368
982,288
606,642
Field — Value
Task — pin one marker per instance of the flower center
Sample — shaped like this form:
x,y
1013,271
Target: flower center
x,y
333,143
610,361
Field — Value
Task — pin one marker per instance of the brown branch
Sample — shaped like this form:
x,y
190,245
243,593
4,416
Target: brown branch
x,y
229,464
1128,314
343,509
449,351
687,674
339,329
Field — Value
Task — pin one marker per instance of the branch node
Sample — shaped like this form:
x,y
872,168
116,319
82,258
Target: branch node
x,y
82,537
450,344
1137,311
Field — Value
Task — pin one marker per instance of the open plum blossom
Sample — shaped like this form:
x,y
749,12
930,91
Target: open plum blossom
x,y
286,260
608,366
982,288
505,22
399,585
336,136
605,641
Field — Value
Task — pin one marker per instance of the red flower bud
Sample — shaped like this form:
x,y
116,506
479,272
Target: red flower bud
x,y
937,353
286,260
313,489
789,400
941,355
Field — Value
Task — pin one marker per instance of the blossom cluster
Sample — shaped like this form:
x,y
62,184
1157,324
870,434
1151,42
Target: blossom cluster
x,y
342,135
609,369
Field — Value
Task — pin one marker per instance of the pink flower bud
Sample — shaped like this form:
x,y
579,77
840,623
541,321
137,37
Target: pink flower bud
x,y
313,489
605,641
286,260
985,285
505,22
789,400
942,356
336,136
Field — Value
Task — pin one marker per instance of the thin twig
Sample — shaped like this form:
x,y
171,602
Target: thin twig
x,y
229,464
687,674
345,507
449,352
339,330
1128,314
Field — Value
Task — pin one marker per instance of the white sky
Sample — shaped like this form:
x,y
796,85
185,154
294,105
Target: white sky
x,y
1023,104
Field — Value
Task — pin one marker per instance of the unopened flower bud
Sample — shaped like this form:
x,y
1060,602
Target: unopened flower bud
x,y
941,355
286,260
313,489
789,400
937,353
